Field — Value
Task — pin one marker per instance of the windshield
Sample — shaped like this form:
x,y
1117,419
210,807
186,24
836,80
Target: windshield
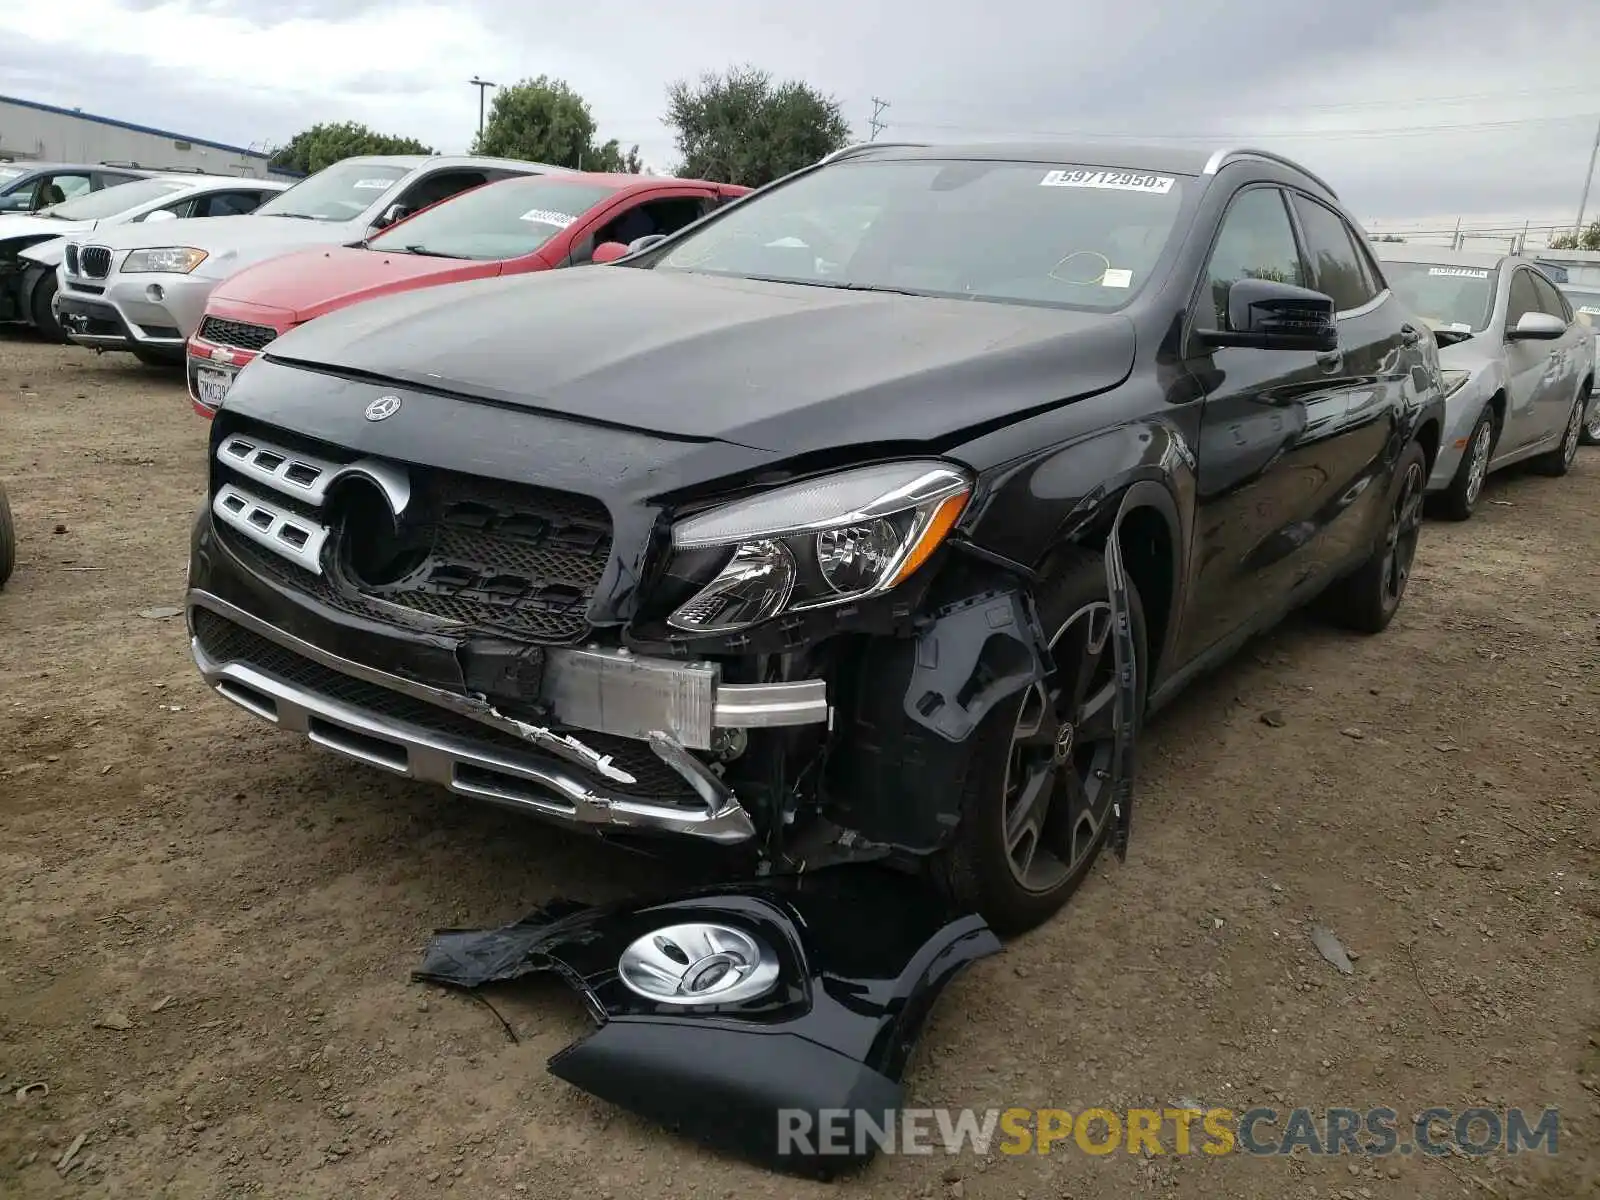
x,y
337,193
502,220
9,173
1458,299
1031,233
108,202
1586,305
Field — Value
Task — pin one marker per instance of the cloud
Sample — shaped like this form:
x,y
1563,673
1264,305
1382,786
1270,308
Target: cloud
x,y
1423,113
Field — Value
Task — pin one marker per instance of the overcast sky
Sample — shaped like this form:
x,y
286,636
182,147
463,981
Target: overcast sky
x,y
1511,91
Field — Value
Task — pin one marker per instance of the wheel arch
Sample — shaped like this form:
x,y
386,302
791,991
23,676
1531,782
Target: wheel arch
x,y
1150,541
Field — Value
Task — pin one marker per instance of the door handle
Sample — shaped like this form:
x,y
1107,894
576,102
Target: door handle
x,y
1330,360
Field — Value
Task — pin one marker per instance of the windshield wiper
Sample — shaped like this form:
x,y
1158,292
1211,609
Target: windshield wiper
x,y
837,285
294,216
418,248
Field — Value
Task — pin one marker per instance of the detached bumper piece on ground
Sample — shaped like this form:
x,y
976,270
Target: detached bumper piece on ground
x,y
731,1014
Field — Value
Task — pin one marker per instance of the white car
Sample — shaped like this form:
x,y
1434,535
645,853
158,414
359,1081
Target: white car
x,y
31,244
145,289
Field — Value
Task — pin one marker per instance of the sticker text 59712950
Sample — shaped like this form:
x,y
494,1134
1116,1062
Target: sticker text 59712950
x,y
1112,181
545,216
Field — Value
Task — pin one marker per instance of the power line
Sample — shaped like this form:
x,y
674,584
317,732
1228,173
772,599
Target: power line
x,y
873,123
1260,135
1586,89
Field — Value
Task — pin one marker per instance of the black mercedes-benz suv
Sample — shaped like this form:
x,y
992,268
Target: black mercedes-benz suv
x,y
865,518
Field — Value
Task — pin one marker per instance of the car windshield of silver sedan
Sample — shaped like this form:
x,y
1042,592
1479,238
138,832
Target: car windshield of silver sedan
x,y
1450,298
337,193
109,202
502,220
1056,234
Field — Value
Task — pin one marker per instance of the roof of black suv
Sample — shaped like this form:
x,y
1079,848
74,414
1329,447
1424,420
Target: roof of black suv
x,y
1122,156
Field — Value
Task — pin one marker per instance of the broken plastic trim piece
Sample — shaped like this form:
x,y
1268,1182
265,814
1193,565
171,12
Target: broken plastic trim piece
x,y
1126,701
823,1016
973,655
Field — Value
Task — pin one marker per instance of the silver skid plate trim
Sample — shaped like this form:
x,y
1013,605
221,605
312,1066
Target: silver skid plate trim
x,y
456,763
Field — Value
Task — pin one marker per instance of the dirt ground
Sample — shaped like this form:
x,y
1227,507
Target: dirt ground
x,y
206,928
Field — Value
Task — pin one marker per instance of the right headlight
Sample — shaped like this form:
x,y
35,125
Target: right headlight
x,y
821,542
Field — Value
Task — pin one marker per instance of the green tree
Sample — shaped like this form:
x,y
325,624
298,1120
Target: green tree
x,y
544,120
741,127
1589,239
324,144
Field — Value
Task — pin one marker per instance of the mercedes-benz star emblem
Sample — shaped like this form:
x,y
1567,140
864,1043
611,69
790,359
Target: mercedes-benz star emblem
x,y
1063,747
383,408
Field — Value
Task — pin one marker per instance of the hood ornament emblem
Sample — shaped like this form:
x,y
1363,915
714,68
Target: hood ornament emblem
x,y
383,408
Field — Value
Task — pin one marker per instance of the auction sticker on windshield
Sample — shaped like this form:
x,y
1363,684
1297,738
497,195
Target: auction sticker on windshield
x,y
546,216
1460,272
1113,181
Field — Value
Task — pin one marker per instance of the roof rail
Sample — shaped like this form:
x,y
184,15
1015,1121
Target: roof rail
x,y
1230,154
858,147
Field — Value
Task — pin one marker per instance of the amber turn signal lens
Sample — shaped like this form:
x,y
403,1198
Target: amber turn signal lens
x,y
943,520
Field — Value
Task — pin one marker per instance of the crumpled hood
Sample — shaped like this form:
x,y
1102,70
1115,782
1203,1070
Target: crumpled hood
x,y
308,283
232,243
48,254
28,226
770,366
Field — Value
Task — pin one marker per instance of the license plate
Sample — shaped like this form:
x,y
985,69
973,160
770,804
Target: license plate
x,y
213,385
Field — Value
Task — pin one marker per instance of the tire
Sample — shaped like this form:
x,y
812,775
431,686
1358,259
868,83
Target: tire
x,y
1558,462
1367,600
8,539
1591,427
157,358
1460,501
44,315
976,869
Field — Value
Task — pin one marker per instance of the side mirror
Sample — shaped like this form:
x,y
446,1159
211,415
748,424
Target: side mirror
x,y
609,252
395,212
1266,315
645,242
161,214
1537,326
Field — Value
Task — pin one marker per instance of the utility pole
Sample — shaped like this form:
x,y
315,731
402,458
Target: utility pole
x,y
1455,239
483,85
874,124
1587,177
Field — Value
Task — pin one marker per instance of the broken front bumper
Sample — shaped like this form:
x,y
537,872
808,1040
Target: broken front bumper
x,y
773,1020
599,700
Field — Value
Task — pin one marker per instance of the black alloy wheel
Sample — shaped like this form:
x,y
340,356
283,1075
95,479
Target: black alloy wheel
x,y
1367,600
1039,785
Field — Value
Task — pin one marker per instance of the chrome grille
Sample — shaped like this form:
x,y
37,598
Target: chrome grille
x,y
239,334
95,261
71,256
475,552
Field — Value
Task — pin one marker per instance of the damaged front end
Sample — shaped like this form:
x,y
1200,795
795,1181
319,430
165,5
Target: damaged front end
x,y
684,638
755,1018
